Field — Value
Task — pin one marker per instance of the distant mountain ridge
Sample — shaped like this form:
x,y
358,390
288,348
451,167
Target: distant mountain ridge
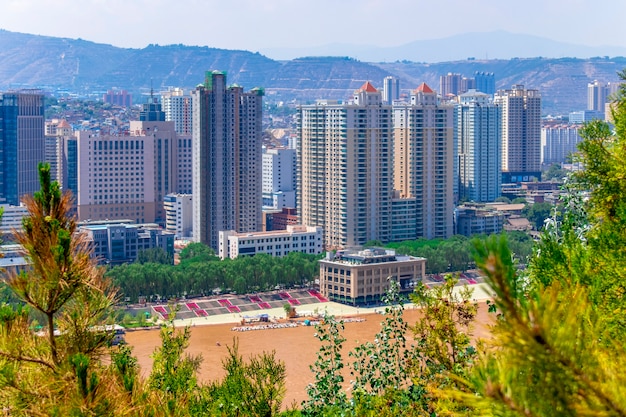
x,y
80,66
478,45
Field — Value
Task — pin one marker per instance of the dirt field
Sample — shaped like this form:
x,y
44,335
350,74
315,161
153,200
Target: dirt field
x,y
297,347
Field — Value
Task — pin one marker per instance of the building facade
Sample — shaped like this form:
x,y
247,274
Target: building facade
x,y
478,131
478,219
178,108
345,173
115,243
279,179
391,90
179,215
424,155
226,166
485,82
558,142
521,133
295,238
362,277
22,144
127,177
597,93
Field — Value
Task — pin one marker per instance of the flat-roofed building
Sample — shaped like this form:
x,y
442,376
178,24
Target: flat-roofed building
x,y
11,218
478,219
118,242
362,276
179,215
296,238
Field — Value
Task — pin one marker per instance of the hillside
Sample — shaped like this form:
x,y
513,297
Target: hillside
x,y
80,66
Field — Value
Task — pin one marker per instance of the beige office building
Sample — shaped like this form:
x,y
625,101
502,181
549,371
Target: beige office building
x,y
127,177
361,277
424,161
345,170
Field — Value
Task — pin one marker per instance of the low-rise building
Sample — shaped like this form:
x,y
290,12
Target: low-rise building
x,y
11,218
362,277
296,238
478,219
119,242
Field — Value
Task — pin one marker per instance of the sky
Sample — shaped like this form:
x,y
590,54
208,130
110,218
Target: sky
x,y
257,25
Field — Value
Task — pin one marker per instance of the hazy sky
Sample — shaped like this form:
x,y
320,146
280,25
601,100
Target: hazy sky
x,y
259,24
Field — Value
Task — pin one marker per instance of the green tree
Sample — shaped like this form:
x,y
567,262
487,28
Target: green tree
x,y
326,394
154,255
537,213
559,343
251,388
59,372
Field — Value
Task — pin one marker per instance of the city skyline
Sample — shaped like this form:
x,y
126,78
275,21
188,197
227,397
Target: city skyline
x,y
279,24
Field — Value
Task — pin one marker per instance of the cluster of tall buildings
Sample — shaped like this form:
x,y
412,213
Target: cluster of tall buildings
x,y
379,166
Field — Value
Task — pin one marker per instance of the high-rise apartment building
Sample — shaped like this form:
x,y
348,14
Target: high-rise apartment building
x,y
391,89
597,93
227,151
521,133
558,142
279,178
22,144
478,130
345,168
424,161
118,98
449,85
57,134
485,82
178,108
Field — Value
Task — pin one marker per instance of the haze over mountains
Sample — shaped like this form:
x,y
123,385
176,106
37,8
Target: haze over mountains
x,y
478,45
83,67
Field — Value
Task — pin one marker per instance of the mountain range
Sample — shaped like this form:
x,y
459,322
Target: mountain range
x,y
83,67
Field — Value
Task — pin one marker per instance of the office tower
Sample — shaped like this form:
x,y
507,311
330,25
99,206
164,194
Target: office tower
x,y
485,82
118,98
521,133
597,93
558,142
478,130
227,153
345,170
391,90
424,161
22,144
127,177
449,85
279,178
178,108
